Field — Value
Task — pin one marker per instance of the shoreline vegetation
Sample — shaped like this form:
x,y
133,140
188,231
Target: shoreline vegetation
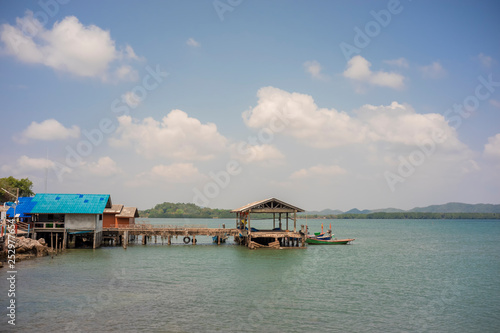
x,y
189,210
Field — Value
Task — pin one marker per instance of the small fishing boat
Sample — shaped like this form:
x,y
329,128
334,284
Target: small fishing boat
x,y
334,241
321,238
223,238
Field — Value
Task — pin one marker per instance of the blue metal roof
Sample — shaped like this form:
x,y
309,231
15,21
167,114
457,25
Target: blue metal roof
x,y
23,207
49,203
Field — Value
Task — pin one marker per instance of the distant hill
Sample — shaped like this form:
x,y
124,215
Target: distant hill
x,y
357,211
457,207
451,207
322,212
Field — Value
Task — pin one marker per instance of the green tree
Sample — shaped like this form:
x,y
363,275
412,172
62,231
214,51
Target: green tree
x,y
11,184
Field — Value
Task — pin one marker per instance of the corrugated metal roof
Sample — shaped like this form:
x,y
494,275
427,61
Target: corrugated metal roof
x,y
24,207
128,212
50,203
115,209
271,202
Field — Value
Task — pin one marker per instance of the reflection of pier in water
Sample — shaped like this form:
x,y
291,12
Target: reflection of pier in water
x,y
278,237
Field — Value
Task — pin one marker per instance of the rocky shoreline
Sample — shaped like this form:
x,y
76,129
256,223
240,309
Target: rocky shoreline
x,y
26,248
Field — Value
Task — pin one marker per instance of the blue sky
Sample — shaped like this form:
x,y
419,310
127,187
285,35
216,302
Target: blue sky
x,y
324,104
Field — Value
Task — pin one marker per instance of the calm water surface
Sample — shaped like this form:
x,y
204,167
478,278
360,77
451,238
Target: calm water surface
x,y
399,275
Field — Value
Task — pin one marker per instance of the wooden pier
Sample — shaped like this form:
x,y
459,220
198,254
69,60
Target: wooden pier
x,y
279,236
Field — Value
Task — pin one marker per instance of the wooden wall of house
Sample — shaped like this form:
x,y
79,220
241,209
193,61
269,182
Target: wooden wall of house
x,y
108,220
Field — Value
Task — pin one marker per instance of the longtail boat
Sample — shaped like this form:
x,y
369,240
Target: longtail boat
x,y
321,238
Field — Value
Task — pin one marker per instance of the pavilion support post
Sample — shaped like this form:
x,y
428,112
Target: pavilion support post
x,y
274,220
286,221
279,218
295,221
249,222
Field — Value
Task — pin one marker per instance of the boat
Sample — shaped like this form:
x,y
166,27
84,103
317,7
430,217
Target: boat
x,y
334,241
321,238
222,239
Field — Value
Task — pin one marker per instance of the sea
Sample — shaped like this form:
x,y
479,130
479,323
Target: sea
x,y
397,276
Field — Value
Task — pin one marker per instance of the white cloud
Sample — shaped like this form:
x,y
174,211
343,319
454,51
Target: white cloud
x,y
297,115
264,154
177,136
492,148
176,173
358,69
495,103
314,69
193,43
70,46
48,130
319,171
28,164
485,60
104,167
131,99
433,71
400,62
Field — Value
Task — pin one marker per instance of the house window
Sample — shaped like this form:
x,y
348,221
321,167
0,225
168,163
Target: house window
x,y
100,217
50,217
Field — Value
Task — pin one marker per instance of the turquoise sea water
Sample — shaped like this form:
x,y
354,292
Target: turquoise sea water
x,y
398,276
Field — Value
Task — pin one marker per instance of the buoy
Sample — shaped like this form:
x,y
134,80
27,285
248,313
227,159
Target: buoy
x,y
186,240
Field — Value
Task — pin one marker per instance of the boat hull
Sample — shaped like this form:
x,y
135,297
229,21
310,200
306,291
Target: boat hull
x,y
314,241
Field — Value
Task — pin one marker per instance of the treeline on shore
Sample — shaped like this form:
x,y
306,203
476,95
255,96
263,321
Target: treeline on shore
x,y
410,215
184,210
189,210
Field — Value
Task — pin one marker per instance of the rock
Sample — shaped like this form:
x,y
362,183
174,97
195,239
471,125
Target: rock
x,y
27,247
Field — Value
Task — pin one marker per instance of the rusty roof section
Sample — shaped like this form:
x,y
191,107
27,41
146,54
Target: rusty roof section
x,y
271,205
128,212
115,209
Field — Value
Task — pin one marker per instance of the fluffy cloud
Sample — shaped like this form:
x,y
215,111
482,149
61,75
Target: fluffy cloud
x,y
485,60
131,99
433,71
193,43
492,148
400,62
104,167
86,51
495,103
176,173
176,136
28,164
264,154
48,130
172,174
319,170
297,115
314,69
358,70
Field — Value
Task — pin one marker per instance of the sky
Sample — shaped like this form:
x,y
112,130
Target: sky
x,y
322,104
